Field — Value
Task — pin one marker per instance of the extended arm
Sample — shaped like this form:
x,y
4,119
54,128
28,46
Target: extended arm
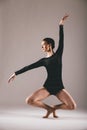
x,y
26,68
29,67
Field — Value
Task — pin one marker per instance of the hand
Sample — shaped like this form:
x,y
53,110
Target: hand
x,y
63,19
11,78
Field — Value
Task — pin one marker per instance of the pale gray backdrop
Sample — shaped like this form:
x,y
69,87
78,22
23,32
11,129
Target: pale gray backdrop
x,y
23,24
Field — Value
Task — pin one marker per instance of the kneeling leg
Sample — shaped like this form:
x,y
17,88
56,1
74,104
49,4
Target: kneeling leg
x,y
66,99
36,100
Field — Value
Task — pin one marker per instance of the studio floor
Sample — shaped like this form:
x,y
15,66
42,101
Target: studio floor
x,y
31,119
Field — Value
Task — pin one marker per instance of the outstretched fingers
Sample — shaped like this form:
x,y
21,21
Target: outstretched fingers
x,y
12,77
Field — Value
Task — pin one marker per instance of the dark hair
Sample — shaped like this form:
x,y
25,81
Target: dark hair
x,y
50,41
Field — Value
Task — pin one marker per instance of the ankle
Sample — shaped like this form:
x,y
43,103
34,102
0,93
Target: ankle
x,y
54,108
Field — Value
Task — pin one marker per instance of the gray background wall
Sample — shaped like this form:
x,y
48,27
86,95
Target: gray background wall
x,y
23,24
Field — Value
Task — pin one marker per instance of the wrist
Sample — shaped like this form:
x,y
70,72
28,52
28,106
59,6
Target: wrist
x,y
61,22
14,74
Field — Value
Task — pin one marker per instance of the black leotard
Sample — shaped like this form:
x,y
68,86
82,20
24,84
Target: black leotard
x,y
53,65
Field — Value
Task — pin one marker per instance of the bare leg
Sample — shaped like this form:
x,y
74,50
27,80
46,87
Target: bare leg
x,y
35,100
66,99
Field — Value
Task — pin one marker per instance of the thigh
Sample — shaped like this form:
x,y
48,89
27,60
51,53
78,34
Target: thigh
x,y
40,94
65,97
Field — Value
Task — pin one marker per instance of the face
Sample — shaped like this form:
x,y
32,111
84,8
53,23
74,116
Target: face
x,y
45,46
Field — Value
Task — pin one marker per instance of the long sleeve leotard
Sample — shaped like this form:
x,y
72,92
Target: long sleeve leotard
x,y
53,65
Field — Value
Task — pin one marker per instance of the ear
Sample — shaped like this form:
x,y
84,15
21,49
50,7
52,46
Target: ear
x,y
50,46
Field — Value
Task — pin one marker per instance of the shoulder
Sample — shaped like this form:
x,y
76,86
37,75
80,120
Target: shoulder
x,y
41,60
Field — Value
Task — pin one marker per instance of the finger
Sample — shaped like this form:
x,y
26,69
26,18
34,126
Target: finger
x,y
12,78
9,81
65,17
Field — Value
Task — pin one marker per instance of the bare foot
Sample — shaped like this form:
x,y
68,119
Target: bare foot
x,y
54,114
52,110
48,113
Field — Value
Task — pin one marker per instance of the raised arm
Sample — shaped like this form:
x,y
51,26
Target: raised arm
x,y
61,35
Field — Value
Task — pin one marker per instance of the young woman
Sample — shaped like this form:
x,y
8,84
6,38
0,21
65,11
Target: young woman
x,y
53,84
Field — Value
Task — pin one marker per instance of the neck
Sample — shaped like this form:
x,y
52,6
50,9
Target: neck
x,y
50,53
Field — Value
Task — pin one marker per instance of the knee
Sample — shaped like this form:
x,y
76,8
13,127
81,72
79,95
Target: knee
x,y
29,101
73,106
